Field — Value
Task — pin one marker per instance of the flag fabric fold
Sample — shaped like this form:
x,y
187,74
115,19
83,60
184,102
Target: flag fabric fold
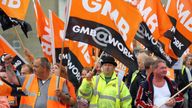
x,y
180,14
6,48
106,26
43,30
12,13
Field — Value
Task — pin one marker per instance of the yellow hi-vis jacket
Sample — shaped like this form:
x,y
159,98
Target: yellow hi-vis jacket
x,y
114,94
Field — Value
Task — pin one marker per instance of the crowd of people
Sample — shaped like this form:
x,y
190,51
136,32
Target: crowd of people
x,y
45,85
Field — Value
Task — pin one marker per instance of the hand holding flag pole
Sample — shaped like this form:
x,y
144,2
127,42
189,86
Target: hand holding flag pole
x,y
97,61
176,94
62,52
89,75
66,19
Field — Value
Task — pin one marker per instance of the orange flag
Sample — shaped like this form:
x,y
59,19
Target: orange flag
x,y
57,30
107,26
41,19
165,25
81,50
5,47
167,48
180,13
43,30
190,49
15,8
152,33
155,17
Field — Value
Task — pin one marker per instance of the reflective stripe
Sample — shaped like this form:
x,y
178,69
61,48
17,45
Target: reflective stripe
x,y
107,97
53,98
125,98
31,77
29,93
24,106
188,74
64,86
119,86
85,94
95,91
97,82
134,75
57,82
182,71
92,105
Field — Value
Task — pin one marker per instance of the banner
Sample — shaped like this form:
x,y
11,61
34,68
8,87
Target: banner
x,y
105,25
7,22
165,42
15,8
83,51
57,32
81,56
74,69
76,54
153,30
155,17
43,30
5,47
180,15
145,37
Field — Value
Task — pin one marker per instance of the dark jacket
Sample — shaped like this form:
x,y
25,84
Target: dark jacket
x,y
141,77
182,80
145,94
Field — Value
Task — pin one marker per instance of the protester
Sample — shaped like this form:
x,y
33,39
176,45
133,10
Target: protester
x,y
29,56
15,100
61,71
156,91
41,87
7,89
132,74
26,69
141,77
84,103
98,68
183,77
105,90
3,98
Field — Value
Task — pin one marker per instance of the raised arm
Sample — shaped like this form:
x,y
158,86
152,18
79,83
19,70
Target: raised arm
x,y
9,69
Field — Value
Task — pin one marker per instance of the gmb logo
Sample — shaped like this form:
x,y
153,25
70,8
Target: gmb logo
x,y
102,36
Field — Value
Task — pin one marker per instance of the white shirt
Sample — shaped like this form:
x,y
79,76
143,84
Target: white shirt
x,y
43,81
161,95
